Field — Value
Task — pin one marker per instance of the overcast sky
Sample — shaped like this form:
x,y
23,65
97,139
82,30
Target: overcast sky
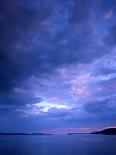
x,y
57,65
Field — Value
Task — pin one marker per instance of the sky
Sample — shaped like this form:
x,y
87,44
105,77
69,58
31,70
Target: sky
x,y
57,65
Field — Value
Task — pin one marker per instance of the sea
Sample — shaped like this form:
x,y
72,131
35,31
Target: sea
x,y
80,144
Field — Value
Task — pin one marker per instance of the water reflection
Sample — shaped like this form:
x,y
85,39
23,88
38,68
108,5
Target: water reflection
x,y
58,145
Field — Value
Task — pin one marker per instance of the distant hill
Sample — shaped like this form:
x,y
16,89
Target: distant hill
x,y
22,133
72,133
108,131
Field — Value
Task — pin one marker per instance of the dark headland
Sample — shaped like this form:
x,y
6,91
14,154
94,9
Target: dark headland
x,y
108,131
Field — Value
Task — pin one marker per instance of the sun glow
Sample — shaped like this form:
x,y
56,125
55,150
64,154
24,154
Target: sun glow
x,y
45,106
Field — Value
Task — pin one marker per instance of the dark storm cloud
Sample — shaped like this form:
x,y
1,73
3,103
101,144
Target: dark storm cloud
x,y
111,37
58,113
80,11
21,25
19,99
27,47
15,19
105,106
4,110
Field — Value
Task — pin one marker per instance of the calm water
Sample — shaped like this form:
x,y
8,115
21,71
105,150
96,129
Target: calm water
x,y
58,145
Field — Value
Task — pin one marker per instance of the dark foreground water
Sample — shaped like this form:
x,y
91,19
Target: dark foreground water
x,y
58,145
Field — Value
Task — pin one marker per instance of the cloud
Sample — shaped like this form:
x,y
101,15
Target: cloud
x,y
111,37
104,106
108,15
33,44
37,108
57,60
80,12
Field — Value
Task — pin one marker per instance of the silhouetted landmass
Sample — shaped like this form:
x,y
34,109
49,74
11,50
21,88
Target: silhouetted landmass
x,y
4,133
75,133
108,131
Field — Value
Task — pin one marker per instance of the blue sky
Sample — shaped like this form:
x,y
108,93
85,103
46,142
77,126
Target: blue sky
x,y
57,65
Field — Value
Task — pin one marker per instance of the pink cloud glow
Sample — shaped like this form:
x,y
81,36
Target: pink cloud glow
x,y
108,15
81,91
67,130
83,79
